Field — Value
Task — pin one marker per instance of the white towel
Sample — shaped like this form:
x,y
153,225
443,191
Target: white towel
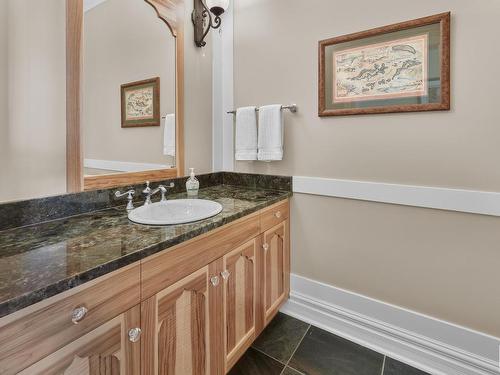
x,y
169,135
271,133
246,134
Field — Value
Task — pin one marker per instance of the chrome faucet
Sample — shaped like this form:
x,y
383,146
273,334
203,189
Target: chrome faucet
x,y
148,192
130,198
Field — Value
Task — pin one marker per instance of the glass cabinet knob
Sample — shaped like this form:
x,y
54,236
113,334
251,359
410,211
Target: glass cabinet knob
x,y
265,246
78,314
134,334
277,214
214,280
225,274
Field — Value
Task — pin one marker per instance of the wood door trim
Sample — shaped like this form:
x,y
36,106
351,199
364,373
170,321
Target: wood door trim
x,y
74,157
131,178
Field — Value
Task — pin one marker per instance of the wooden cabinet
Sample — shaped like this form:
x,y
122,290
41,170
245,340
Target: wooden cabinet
x,y
191,310
240,298
276,269
31,334
202,324
110,349
274,215
176,324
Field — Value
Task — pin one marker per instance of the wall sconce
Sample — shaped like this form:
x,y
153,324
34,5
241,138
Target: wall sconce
x,y
202,14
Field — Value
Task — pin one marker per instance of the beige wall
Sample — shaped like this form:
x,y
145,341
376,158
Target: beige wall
x,y
124,41
34,131
197,99
435,262
3,83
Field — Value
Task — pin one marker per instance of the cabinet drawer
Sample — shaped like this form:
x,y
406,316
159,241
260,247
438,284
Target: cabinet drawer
x,y
39,330
274,215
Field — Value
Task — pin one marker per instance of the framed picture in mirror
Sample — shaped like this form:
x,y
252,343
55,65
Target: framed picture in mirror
x,y
141,103
404,67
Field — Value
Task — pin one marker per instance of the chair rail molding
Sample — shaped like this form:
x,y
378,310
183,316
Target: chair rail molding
x,y
460,200
421,341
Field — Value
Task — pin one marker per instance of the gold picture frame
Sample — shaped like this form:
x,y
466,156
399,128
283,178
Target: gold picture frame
x,y
140,103
404,67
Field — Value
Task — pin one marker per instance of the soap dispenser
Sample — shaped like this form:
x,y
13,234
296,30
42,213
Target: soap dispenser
x,y
192,184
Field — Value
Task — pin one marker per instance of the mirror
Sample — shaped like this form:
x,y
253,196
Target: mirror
x,y
63,74
128,120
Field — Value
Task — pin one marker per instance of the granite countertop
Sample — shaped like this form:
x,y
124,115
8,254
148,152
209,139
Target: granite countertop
x,y
42,260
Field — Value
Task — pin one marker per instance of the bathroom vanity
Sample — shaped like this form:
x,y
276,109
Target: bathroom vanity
x,y
97,294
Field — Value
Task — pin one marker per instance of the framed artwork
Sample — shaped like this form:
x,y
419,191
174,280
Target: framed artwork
x,y
141,103
403,67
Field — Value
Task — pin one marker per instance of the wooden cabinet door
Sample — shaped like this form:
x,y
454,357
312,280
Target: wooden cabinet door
x,y
239,277
107,350
276,269
177,323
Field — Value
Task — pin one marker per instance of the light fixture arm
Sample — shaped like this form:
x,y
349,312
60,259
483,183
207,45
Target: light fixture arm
x,y
200,14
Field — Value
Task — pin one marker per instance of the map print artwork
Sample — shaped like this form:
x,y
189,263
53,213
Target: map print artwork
x,y
139,103
381,71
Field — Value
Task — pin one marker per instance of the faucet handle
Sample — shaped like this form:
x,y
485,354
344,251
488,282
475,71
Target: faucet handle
x,y
163,190
147,190
130,197
170,185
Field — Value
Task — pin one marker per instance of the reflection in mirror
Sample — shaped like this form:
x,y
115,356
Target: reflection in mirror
x,y
32,99
128,119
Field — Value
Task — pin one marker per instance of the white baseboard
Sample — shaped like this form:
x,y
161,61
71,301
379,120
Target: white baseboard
x,y
432,345
471,201
121,166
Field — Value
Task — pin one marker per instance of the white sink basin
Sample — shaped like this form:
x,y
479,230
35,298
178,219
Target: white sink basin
x,y
176,211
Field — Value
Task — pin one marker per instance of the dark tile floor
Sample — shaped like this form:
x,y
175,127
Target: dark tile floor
x,y
291,347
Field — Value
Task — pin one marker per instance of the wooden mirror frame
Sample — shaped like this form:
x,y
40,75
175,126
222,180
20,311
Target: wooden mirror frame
x,y
172,13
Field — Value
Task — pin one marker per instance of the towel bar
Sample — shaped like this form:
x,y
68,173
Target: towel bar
x,y
292,108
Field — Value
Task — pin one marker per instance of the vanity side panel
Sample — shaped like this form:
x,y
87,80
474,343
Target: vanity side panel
x,y
39,330
164,269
